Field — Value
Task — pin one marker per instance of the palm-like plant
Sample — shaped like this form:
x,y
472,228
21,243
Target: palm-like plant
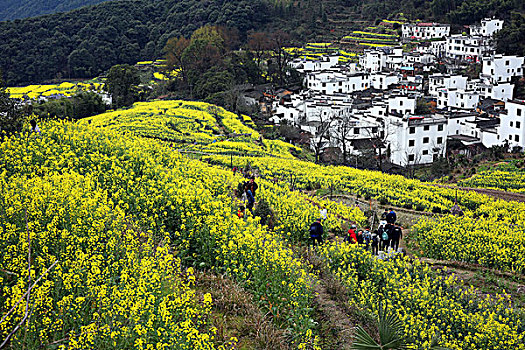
x,y
391,334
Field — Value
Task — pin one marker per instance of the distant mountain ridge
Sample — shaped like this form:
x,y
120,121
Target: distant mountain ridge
x,y
17,9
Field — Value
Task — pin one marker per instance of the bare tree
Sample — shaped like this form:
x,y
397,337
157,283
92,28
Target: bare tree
x,y
258,43
411,160
344,127
278,41
322,126
379,137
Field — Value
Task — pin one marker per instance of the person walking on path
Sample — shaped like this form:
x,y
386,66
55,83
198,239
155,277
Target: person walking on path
x,y
360,237
316,233
252,185
34,126
396,235
384,234
375,243
251,200
391,217
385,213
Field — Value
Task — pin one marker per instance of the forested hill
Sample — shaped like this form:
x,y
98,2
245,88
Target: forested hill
x,y
86,42
14,9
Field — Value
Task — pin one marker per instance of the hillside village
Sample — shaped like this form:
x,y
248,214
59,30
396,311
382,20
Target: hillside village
x,y
395,103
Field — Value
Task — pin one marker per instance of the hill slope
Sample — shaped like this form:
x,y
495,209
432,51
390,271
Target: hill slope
x,y
114,224
15,9
85,42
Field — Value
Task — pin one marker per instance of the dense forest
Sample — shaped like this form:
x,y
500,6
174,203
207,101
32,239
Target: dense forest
x,y
88,41
15,9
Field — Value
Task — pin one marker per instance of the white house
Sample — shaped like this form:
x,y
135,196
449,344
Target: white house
x,y
416,139
373,60
467,48
440,81
512,127
488,27
500,69
422,31
330,83
382,81
401,105
323,63
457,99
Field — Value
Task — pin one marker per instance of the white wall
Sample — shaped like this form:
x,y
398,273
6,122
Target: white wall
x,y
500,69
402,104
512,127
415,143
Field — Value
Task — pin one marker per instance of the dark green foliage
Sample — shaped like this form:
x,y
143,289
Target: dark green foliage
x,y
11,117
422,107
265,212
13,9
86,42
511,39
391,333
121,83
80,106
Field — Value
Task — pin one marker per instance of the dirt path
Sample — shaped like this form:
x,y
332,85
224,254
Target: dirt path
x,y
332,308
508,196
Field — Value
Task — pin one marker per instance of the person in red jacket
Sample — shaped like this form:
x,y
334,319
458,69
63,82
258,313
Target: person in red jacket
x,y
352,237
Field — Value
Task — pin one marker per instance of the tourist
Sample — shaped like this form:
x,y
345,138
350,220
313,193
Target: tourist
x,y
396,234
391,217
316,233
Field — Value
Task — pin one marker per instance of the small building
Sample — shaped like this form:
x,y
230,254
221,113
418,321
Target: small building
x,y
424,31
487,27
500,69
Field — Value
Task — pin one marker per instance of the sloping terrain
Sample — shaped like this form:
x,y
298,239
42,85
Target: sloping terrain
x,y
17,9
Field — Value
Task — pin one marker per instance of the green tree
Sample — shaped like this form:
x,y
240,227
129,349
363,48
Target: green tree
x,y
11,117
122,84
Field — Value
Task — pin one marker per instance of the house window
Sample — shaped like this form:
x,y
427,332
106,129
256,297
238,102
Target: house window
x,y
374,130
400,103
356,131
425,139
518,125
412,130
511,124
439,140
440,127
518,112
411,157
425,152
411,143
426,128
507,63
517,138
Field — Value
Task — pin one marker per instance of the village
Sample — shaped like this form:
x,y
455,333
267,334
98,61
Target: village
x,y
409,107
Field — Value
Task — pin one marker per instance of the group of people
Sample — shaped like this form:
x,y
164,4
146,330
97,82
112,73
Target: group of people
x,y
386,236
248,190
